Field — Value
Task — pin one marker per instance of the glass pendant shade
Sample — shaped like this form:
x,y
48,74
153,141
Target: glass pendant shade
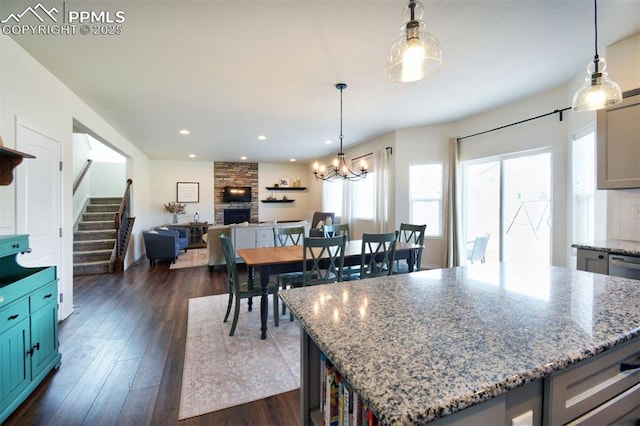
x,y
598,91
417,53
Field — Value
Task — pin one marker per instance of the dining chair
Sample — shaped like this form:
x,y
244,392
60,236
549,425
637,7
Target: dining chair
x,y
412,234
378,254
478,250
336,230
242,290
322,261
288,236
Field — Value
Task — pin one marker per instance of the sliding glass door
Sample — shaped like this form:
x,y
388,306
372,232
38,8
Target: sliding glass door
x,y
509,199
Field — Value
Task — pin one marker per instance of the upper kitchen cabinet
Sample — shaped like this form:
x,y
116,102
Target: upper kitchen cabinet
x,y
619,144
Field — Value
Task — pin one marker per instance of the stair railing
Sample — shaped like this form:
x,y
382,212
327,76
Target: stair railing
x,y
124,226
83,173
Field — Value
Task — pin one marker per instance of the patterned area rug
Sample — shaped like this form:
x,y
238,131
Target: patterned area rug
x,y
191,259
222,371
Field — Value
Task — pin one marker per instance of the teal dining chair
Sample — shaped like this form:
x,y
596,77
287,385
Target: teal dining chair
x,y
378,254
322,261
242,290
413,234
336,230
288,236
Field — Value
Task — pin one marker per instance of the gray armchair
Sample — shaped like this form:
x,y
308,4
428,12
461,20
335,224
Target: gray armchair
x,y
161,245
317,217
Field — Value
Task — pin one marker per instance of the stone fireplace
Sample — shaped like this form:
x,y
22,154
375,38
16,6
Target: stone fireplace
x,y
236,216
235,174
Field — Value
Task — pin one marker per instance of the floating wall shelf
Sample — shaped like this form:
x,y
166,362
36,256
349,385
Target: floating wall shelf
x,y
286,188
277,201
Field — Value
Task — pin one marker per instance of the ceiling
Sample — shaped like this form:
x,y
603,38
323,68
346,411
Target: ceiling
x,y
230,71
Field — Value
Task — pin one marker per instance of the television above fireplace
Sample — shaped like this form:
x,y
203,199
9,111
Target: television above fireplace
x,y
236,194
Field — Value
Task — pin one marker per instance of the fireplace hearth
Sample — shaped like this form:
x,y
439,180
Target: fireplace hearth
x,y
231,216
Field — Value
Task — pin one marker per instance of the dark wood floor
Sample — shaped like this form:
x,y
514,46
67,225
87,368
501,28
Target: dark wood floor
x,y
123,352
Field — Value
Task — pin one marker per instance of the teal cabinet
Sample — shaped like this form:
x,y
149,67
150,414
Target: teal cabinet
x,y
28,324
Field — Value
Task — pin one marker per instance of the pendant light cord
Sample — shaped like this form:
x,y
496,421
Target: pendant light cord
x,y
595,24
341,136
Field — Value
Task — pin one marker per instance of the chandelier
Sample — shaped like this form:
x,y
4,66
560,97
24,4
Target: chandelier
x,y
339,170
598,91
416,54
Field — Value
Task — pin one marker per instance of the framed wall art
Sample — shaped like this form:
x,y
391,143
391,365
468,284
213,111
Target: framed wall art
x,y
188,192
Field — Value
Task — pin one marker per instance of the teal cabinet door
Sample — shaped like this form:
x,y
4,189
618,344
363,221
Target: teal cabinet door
x,y
15,375
44,338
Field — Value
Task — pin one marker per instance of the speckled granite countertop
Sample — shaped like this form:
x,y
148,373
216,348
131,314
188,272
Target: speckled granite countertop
x,y
612,246
424,345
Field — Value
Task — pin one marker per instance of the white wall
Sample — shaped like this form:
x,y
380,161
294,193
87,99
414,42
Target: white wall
x,y
29,91
108,179
305,201
164,178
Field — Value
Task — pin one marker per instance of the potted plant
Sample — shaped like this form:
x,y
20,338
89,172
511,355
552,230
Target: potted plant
x,y
175,209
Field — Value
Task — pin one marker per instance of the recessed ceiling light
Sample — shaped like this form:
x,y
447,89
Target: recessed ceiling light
x,y
192,156
262,137
243,158
328,142
292,160
185,132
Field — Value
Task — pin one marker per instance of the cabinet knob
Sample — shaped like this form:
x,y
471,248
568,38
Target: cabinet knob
x,y
16,245
600,256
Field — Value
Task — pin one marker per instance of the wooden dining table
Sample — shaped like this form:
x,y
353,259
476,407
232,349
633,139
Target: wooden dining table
x,y
268,261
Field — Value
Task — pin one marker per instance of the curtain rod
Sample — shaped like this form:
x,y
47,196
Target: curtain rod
x,y
557,111
388,148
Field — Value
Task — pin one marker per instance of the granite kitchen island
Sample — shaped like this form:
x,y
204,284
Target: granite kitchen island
x,y
484,343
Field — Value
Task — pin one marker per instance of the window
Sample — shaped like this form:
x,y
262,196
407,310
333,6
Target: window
x,y
332,197
425,197
363,200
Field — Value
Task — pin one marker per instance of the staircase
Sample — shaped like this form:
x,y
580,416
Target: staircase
x,y
95,238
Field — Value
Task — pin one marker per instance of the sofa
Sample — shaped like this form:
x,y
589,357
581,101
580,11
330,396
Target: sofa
x,y
161,245
214,247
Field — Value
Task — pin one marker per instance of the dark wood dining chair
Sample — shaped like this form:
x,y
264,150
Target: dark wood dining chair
x,y
413,234
378,254
242,290
322,261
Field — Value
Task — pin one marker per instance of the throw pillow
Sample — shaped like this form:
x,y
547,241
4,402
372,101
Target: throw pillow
x,y
320,225
328,221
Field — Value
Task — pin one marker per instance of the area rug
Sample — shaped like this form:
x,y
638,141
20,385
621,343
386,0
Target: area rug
x,y
191,259
221,371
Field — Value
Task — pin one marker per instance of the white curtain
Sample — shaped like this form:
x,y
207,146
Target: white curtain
x,y
381,168
452,226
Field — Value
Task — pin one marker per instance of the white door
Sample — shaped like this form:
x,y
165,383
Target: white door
x,y
38,197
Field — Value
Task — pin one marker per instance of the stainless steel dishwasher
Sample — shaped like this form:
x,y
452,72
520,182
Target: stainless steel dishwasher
x,y
624,266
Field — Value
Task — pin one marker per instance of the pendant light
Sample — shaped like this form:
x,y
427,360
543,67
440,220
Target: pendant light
x,y
339,170
416,54
598,91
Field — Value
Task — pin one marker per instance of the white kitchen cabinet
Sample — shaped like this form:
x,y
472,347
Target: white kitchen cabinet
x,y
619,144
